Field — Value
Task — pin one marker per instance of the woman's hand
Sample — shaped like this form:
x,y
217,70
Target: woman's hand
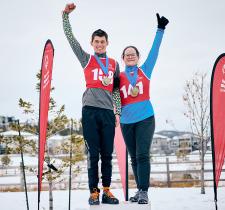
x,y
117,120
162,21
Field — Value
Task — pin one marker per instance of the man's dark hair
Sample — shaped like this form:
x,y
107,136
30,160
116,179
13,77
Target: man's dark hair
x,y
99,33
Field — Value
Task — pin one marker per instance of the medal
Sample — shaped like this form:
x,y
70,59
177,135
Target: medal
x,y
106,81
132,76
105,68
134,91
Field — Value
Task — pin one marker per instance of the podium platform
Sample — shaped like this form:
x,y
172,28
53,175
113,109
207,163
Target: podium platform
x,y
123,205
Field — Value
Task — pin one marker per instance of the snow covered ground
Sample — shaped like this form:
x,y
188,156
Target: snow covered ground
x,y
161,199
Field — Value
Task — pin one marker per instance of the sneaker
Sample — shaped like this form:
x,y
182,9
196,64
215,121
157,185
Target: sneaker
x,y
108,197
94,197
135,197
143,197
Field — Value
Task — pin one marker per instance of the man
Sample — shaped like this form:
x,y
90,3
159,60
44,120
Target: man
x,y
98,119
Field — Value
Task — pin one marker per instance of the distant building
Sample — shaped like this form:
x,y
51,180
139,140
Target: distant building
x,y
167,142
185,143
5,122
159,144
173,144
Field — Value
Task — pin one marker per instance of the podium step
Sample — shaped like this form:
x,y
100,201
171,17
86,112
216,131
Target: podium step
x,y
124,205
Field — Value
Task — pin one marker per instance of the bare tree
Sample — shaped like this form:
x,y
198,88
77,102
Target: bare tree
x,y
196,100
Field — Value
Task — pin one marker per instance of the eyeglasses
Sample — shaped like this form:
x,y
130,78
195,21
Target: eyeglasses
x,y
130,55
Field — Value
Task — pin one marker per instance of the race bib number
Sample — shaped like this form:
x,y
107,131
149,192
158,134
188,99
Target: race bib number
x,y
98,74
127,92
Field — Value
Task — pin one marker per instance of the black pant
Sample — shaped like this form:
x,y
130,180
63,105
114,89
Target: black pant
x,y
138,138
99,131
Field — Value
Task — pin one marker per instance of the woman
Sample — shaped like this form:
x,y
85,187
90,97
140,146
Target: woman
x,y
137,116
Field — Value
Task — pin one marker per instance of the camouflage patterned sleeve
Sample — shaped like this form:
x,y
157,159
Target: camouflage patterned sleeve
x,y
116,91
82,56
117,101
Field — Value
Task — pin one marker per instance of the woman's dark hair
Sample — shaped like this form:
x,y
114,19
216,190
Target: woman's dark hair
x,y
137,52
99,33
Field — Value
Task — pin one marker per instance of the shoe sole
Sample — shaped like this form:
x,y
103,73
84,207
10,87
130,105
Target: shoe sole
x,y
143,203
109,203
133,201
94,204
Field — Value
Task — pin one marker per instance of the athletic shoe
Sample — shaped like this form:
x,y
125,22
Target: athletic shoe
x,y
108,197
135,197
143,197
94,197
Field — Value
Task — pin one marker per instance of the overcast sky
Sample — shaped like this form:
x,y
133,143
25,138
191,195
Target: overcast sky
x,y
193,40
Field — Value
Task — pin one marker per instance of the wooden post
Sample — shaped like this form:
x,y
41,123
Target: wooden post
x,y
168,172
21,177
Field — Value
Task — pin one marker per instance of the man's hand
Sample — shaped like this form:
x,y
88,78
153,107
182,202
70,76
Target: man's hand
x,y
162,21
117,120
69,8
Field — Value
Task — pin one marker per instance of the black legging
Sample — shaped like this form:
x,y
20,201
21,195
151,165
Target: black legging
x,y
99,131
138,138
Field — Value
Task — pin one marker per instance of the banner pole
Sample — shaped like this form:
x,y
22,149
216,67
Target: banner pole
x,y
127,181
23,170
70,171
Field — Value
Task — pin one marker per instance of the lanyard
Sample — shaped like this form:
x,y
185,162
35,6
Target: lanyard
x,y
105,68
132,78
